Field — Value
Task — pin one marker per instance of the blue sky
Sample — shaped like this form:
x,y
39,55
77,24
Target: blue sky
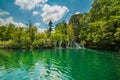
x,y
40,12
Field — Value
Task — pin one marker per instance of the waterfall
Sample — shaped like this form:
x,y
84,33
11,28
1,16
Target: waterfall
x,y
83,46
55,44
60,44
78,46
68,44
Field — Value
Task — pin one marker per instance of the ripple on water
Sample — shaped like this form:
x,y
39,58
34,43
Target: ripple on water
x,y
60,65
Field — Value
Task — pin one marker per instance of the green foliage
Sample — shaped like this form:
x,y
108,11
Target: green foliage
x,y
60,32
70,33
32,31
102,25
2,32
117,34
57,35
98,29
74,21
42,41
6,44
17,37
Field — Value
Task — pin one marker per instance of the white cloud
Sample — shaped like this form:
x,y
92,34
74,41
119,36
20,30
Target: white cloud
x,y
35,13
29,4
53,13
11,20
41,30
37,24
77,12
3,13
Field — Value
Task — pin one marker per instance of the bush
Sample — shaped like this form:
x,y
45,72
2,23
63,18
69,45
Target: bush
x,y
6,44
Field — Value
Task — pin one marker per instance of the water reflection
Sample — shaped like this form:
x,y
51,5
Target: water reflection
x,y
59,64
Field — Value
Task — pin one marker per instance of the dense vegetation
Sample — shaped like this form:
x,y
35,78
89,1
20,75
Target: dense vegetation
x,y
98,29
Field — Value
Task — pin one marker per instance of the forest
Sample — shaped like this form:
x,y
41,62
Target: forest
x,y
97,29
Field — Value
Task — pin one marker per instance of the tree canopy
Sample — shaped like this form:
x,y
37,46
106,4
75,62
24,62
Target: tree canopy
x,y
97,29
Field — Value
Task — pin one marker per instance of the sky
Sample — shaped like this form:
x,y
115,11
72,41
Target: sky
x,y
40,12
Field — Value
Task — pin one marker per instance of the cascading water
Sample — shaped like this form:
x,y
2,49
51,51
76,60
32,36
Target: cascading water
x,y
77,45
60,44
69,44
55,44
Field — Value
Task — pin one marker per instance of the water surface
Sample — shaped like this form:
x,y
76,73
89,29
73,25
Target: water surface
x,y
59,64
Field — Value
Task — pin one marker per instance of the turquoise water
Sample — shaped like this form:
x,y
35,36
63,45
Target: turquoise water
x,y
59,64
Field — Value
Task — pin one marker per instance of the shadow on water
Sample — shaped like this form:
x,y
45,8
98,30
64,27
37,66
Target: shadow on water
x,y
59,64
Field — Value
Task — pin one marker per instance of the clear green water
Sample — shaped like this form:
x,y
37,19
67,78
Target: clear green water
x,y
59,64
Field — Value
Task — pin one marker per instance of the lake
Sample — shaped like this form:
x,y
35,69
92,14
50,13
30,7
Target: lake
x,y
59,64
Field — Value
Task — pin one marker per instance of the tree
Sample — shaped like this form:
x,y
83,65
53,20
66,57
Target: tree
x,y
70,33
49,30
2,33
74,21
